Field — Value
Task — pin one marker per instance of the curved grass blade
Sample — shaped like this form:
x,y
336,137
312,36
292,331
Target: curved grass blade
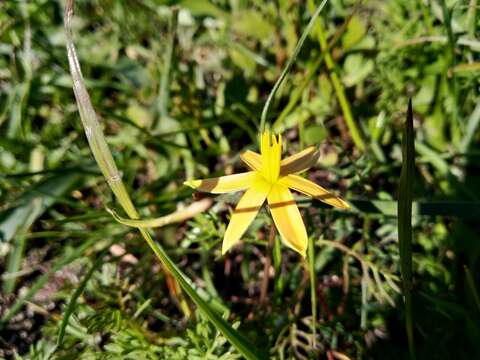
x,y
73,300
178,216
104,158
311,71
405,195
355,131
472,288
289,65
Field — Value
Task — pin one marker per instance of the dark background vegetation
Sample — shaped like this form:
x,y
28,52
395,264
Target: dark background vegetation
x,y
190,115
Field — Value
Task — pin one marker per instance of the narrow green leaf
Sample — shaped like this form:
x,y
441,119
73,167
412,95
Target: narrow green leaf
x,y
456,209
472,126
163,99
355,132
178,216
313,285
405,196
73,300
455,125
472,288
289,65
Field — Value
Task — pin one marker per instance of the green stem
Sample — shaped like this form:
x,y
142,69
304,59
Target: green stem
x,y
164,90
451,78
289,65
313,287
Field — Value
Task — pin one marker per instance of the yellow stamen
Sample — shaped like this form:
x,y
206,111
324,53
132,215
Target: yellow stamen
x,y
271,153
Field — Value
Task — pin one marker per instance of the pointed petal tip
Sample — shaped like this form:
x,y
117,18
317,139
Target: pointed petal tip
x,y
191,183
301,251
345,205
225,248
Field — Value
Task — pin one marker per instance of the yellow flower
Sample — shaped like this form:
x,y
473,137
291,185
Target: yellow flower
x,y
270,179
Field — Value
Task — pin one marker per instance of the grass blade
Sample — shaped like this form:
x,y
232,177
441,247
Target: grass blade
x,y
178,216
105,161
299,90
453,86
472,126
73,300
289,65
313,286
472,288
339,90
405,195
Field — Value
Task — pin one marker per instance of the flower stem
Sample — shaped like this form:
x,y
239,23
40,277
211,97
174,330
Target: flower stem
x,y
268,263
313,287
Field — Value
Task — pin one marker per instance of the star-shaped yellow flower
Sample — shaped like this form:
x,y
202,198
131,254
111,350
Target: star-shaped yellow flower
x,y
270,179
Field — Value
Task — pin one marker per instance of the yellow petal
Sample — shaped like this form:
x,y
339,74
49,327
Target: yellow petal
x,y
252,159
287,218
224,184
293,164
299,162
309,188
246,210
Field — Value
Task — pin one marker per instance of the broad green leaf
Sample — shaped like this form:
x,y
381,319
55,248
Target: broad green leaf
x,y
356,30
203,8
357,69
253,24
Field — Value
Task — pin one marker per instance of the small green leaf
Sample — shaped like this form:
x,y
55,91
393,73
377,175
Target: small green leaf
x,y
253,24
356,30
357,69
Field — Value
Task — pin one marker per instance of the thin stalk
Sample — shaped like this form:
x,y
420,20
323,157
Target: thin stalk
x,y
277,266
426,16
268,263
313,287
472,288
472,18
164,89
312,70
289,65
453,88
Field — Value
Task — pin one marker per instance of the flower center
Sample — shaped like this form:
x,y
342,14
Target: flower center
x,y
271,152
